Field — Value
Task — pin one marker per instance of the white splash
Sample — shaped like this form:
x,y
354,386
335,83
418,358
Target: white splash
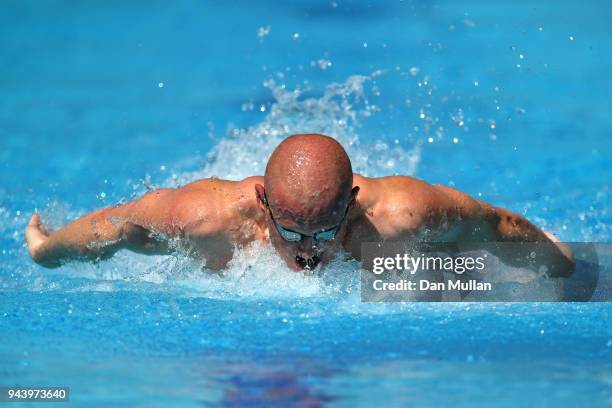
x,y
337,113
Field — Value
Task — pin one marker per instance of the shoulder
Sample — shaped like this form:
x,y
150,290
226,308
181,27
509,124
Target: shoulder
x,y
402,204
400,193
213,203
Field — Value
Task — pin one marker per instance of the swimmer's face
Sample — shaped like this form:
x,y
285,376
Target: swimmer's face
x,y
304,243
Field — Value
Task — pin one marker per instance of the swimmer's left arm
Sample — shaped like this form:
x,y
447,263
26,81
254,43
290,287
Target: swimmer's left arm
x,y
489,223
556,257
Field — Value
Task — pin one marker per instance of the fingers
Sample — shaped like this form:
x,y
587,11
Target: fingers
x,y
34,233
34,220
566,251
550,236
36,238
562,247
35,223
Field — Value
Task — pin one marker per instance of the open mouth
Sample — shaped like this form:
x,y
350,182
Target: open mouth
x,y
307,263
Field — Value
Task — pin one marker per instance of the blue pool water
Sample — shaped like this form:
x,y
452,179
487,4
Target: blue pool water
x,y
101,102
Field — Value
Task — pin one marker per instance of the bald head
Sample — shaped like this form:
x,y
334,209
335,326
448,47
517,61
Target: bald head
x,y
309,177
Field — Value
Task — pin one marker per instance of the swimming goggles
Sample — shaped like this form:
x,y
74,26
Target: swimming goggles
x,y
293,236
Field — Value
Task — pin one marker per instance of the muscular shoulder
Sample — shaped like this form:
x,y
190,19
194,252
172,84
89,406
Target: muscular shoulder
x,y
213,204
401,204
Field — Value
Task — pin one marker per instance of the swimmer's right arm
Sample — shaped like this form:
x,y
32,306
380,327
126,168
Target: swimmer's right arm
x,y
136,226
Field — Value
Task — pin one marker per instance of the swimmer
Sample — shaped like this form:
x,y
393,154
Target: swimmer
x,y
309,204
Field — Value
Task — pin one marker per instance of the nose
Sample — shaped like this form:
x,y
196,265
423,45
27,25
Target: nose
x,y
307,263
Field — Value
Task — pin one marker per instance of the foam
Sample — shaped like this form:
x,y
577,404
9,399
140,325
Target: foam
x,y
337,113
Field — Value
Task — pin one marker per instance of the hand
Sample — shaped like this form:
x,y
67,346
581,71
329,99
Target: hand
x,y
563,248
566,251
35,235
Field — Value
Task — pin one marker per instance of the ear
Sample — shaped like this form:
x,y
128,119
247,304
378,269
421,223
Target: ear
x,y
354,193
261,197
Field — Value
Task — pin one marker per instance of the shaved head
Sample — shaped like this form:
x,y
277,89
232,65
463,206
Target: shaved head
x,y
309,179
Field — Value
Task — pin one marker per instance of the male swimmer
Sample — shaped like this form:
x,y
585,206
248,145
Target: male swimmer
x,y
308,205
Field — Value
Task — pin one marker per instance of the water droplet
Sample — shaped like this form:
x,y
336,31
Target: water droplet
x,y
430,140
324,64
571,38
296,36
263,31
455,140
161,84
